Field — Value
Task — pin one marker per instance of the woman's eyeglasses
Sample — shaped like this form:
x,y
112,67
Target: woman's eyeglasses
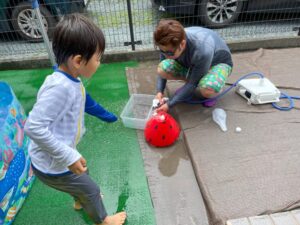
x,y
168,53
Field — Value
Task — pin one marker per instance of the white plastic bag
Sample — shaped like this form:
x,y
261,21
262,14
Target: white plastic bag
x,y
219,116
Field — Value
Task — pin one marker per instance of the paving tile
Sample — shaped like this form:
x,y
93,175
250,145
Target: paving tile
x,y
242,221
260,220
296,214
283,219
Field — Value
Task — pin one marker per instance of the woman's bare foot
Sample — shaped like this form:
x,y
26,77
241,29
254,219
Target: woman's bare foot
x,y
77,205
117,219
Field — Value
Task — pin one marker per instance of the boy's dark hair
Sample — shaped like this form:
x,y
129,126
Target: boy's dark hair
x,y
76,35
168,32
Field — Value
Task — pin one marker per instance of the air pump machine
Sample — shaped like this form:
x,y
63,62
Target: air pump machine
x,y
258,91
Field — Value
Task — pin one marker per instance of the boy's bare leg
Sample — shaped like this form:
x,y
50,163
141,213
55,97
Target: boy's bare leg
x,y
117,219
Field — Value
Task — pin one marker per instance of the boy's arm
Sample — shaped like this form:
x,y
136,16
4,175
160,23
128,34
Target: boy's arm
x,y
47,109
95,109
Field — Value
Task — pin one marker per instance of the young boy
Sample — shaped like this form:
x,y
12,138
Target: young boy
x,y
56,122
195,55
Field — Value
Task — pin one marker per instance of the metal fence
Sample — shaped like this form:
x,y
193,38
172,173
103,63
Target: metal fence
x,y
128,24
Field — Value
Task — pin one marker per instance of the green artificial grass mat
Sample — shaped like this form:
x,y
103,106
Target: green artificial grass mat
x,y
111,150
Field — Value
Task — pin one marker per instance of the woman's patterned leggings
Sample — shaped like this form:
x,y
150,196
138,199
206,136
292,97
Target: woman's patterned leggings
x,y
215,78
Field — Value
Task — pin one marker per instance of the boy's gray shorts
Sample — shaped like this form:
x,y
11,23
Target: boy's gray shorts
x,y
82,188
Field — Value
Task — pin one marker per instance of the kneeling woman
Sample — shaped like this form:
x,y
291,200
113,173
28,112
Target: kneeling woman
x,y
195,55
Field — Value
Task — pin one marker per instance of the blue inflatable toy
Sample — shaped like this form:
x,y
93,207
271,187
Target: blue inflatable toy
x,y
16,175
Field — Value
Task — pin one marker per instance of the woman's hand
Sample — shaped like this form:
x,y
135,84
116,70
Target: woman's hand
x,y
160,97
164,107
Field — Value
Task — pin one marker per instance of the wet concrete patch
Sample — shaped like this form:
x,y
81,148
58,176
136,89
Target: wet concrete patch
x,y
174,190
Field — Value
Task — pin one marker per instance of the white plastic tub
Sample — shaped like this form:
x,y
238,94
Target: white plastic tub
x,y
137,111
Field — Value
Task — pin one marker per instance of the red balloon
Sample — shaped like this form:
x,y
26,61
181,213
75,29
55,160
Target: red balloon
x,y
161,130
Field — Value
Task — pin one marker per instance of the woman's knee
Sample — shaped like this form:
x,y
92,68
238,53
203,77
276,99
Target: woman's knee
x,y
214,81
208,92
211,86
166,69
161,72
165,75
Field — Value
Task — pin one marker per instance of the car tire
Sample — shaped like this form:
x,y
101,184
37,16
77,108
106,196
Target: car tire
x,y
219,13
22,15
